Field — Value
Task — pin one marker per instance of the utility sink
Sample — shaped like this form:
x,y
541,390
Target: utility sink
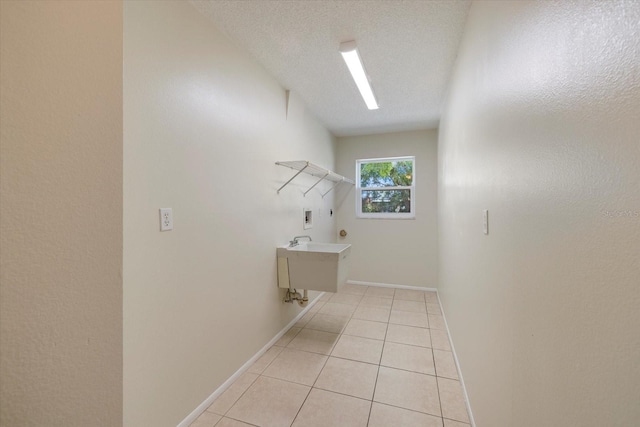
x,y
314,266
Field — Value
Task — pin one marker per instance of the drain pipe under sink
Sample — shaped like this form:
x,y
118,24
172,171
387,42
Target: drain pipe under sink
x,y
294,295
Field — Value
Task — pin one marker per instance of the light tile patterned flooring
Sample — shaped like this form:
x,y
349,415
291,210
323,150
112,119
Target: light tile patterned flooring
x,y
367,356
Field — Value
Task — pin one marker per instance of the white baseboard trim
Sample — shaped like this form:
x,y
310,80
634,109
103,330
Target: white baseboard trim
x,y
391,285
209,400
455,357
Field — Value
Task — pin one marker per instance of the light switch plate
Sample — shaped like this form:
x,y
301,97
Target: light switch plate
x,y
485,221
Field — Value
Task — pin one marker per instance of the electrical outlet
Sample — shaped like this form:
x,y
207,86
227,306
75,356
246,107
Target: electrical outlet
x,y
166,219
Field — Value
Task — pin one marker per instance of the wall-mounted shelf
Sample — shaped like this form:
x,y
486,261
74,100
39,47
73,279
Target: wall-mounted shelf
x,y
304,166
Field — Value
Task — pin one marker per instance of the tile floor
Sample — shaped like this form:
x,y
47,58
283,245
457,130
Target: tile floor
x,y
367,356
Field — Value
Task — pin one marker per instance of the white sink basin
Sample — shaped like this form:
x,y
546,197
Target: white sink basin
x,y
325,248
314,266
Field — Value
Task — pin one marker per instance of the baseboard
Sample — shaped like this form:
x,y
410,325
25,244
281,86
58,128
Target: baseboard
x,y
209,400
455,357
391,285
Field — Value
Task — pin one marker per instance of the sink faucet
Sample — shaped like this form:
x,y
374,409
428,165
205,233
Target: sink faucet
x,y
295,242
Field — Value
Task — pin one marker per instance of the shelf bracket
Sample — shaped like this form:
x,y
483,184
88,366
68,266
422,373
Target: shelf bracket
x,y
292,178
332,188
317,182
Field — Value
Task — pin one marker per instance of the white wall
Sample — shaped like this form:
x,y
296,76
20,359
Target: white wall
x,y
61,213
541,127
203,128
401,252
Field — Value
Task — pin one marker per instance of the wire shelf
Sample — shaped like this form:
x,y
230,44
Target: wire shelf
x,y
304,166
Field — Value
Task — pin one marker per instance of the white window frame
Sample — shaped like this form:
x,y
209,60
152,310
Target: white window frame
x,y
386,215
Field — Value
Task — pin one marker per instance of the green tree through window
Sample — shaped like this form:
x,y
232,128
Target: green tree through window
x,y
385,188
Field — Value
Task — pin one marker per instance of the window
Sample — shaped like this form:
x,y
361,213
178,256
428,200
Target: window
x,y
385,188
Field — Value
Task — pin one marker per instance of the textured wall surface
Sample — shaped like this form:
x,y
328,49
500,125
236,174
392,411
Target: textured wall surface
x,y
401,252
204,125
541,127
61,213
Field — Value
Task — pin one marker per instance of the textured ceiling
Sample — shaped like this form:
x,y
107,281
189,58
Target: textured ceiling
x,y
408,49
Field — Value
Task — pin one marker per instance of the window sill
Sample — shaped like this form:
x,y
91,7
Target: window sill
x,y
382,216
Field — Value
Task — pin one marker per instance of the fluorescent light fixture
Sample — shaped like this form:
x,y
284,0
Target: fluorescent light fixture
x,y
349,52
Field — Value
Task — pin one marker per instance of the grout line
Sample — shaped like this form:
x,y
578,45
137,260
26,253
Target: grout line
x,y
414,411
269,364
437,385
311,387
235,419
375,386
410,345
386,331
300,408
342,394
320,373
325,364
241,394
354,360
413,372
371,403
457,421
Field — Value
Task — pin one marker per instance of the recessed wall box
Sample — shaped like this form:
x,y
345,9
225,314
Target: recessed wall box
x,y
307,218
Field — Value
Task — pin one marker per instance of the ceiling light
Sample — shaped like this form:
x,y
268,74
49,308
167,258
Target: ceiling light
x,y
349,52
